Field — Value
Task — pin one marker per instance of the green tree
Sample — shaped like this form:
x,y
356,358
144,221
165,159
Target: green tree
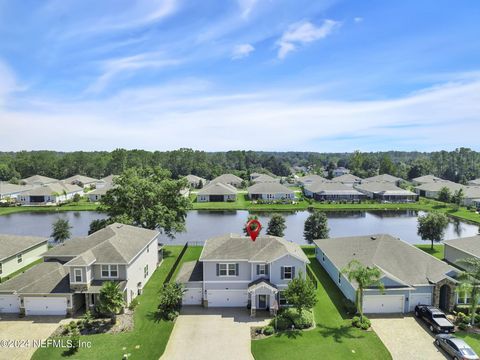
x,y
364,277
301,294
444,195
276,225
432,226
111,300
76,197
149,198
171,300
97,224
61,230
470,283
458,197
253,227
386,165
316,226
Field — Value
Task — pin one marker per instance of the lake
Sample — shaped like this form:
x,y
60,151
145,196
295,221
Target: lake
x,y
202,225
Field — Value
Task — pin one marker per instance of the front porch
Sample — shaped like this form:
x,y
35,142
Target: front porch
x,y
263,296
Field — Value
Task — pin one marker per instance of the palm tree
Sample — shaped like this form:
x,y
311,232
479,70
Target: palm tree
x,y
111,300
61,230
470,283
364,276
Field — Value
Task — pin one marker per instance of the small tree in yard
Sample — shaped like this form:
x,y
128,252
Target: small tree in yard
x,y
276,225
316,226
458,197
301,294
254,226
76,197
470,283
75,340
171,300
444,195
61,230
432,226
364,276
111,300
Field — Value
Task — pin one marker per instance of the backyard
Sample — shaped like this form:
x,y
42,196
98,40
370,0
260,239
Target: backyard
x,y
150,334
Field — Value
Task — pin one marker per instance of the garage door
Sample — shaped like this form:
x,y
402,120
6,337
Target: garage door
x,y
377,304
227,298
416,299
9,304
45,306
192,297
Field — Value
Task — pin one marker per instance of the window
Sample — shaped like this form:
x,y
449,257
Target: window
x,y
92,299
109,271
227,269
282,301
464,297
19,258
288,272
78,276
145,271
262,269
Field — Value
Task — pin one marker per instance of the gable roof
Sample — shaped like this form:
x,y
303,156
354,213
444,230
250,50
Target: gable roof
x,y
115,244
7,188
404,262
269,188
44,278
311,178
190,271
469,245
330,188
264,178
194,179
438,185
217,188
237,247
108,179
383,187
80,178
227,179
346,178
383,177
37,179
52,188
11,245
427,179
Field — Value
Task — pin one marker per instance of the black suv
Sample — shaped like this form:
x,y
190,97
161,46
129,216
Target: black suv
x,y
435,318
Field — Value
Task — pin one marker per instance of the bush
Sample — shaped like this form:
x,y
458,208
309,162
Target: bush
x,y
75,339
365,324
170,300
288,317
133,304
461,318
87,319
268,330
463,326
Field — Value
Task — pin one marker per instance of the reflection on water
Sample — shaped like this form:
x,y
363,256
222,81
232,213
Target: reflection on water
x,y
201,225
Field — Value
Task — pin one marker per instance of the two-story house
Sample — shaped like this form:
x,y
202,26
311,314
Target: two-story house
x,y
73,273
234,271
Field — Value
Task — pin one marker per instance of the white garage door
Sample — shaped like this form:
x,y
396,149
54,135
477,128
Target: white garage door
x,y
9,304
192,297
45,306
377,304
416,299
227,298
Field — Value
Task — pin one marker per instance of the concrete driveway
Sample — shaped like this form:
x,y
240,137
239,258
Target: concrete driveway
x,y
26,329
213,334
406,338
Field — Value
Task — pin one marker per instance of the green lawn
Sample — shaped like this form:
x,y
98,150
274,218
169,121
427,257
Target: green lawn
x,y
333,338
471,339
149,333
437,250
80,206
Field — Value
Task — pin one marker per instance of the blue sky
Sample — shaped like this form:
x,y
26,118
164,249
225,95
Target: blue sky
x,y
239,74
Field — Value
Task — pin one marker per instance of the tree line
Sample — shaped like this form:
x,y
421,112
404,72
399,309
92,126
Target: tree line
x,y
460,165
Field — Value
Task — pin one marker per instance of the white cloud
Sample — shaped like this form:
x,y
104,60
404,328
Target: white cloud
x,y
241,51
194,114
8,82
358,19
246,7
303,33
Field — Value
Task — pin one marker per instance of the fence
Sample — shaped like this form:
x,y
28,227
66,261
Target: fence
x,y
312,277
175,265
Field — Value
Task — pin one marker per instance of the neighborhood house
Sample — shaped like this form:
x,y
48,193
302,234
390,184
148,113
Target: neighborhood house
x,y
217,192
270,191
228,179
52,193
332,191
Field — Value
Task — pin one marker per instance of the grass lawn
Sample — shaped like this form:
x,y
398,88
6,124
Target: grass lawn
x,y
80,206
333,338
437,250
19,271
471,339
149,333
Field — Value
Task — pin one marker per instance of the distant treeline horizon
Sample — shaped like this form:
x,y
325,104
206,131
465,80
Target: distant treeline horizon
x,y
460,165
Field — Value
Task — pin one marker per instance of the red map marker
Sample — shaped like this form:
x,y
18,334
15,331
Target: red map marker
x,y
253,232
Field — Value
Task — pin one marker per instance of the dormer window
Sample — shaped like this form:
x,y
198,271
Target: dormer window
x,y
78,276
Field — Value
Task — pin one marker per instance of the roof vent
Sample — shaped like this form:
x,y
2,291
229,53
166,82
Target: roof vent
x,y
373,238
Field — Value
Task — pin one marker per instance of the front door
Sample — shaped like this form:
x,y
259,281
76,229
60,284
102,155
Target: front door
x,y
262,301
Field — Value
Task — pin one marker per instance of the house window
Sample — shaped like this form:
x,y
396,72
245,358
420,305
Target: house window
x,y
92,299
227,270
109,271
78,275
145,271
288,272
19,258
282,301
464,297
262,269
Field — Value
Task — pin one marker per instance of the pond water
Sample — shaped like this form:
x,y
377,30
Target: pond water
x,y
202,225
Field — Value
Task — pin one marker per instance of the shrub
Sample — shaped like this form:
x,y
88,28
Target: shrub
x,y
365,324
268,330
288,317
171,300
461,318
75,339
462,326
133,304
87,319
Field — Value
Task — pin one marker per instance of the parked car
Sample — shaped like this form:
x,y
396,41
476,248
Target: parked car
x,y
457,348
436,320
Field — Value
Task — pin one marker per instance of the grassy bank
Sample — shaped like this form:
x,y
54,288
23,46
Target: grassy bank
x,y
80,206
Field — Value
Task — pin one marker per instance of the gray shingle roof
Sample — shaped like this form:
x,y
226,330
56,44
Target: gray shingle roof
x,y
117,244
383,187
7,188
52,188
80,178
311,178
392,256
383,177
101,191
269,188
468,244
190,271
330,188
438,185
427,179
347,178
264,178
227,179
237,247
194,179
37,179
475,182
44,278
218,188
11,245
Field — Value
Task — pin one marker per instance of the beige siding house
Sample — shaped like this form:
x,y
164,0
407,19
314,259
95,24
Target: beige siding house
x,y
270,191
50,194
217,192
